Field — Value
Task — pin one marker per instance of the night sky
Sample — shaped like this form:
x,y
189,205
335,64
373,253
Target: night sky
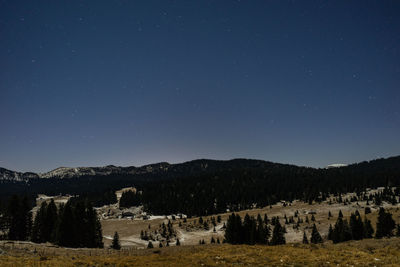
x,y
93,83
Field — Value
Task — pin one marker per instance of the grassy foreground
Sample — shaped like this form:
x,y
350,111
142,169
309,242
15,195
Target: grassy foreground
x,y
385,252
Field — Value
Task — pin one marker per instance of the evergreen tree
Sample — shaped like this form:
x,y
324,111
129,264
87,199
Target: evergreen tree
x,y
315,236
51,220
80,235
115,242
356,226
368,230
385,224
233,232
305,239
150,245
278,234
340,214
20,218
266,220
66,235
330,232
262,231
39,229
12,212
249,230
26,217
94,235
178,243
341,232
129,199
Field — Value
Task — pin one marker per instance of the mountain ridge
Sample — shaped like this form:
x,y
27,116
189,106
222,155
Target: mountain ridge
x,y
74,172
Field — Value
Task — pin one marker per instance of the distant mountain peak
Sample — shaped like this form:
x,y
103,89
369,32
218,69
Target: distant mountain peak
x,y
336,165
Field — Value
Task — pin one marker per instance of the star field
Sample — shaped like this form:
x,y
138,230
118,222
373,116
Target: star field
x,y
91,83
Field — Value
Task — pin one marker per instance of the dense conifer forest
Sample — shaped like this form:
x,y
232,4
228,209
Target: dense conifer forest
x,y
205,187
74,224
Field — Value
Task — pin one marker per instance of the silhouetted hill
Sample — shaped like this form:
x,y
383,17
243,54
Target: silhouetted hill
x,y
208,186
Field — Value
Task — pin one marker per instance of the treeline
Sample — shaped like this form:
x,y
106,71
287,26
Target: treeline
x,y
359,229
252,230
74,224
206,187
129,199
16,219
251,183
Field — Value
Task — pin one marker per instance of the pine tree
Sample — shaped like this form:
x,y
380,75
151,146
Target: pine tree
x,y
262,231
233,232
93,235
315,236
38,228
205,226
278,235
368,230
20,218
115,242
66,234
26,218
340,214
249,230
341,231
150,245
212,240
266,220
80,237
305,239
385,224
356,226
330,232
178,243
51,220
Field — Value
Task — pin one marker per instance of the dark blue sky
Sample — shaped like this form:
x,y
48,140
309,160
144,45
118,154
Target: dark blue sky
x,y
90,83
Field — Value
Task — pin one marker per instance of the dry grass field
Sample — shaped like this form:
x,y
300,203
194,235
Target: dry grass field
x,y
371,252
129,230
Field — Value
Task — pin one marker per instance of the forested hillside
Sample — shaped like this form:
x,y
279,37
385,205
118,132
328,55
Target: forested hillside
x,y
204,187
